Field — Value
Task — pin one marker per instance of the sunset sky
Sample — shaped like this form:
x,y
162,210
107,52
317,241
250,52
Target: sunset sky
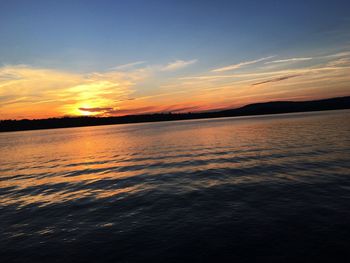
x,y
111,58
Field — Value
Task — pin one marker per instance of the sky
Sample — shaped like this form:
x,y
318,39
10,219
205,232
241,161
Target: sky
x,y
112,58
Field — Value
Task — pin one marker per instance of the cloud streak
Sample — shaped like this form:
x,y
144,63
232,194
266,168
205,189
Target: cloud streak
x,y
178,64
275,79
97,109
289,60
326,67
241,64
129,65
340,54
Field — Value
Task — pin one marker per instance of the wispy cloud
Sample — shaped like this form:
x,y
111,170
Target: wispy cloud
x,y
54,93
339,62
178,64
179,108
288,60
128,66
297,59
145,110
340,54
138,110
97,109
241,64
326,67
275,79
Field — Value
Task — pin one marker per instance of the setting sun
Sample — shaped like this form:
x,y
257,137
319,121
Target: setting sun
x,y
83,110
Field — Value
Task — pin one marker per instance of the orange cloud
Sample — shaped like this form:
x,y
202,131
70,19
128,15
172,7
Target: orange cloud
x,y
28,92
36,93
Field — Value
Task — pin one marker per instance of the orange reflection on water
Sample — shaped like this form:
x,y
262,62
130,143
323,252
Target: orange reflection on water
x,y
55,166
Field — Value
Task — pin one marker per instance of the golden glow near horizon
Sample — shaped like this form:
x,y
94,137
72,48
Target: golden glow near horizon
x,y
28,92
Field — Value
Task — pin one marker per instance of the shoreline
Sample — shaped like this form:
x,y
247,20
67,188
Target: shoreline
x,y
256,109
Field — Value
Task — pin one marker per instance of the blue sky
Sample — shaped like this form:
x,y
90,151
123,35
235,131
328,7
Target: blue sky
x,y
85,37
95,35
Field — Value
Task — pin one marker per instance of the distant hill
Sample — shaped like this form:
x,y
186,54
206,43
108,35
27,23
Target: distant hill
x,y
274,107
292,106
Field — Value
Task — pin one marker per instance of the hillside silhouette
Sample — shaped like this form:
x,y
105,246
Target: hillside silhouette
x,y
251,109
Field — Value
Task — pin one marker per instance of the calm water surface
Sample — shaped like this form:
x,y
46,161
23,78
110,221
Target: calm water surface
x,y
264,189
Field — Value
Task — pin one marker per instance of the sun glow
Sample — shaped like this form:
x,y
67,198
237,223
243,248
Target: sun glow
x,y
79,109
29,92
86,112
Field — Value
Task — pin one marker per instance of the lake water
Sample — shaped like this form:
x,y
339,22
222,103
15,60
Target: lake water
x,y
264,189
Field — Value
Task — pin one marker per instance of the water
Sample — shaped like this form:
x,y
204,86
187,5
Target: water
x,y
266,189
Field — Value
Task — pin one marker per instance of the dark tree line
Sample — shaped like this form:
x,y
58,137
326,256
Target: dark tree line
x,y
251,109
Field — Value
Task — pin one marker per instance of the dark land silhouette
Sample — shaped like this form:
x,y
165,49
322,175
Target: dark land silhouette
x,y
251,109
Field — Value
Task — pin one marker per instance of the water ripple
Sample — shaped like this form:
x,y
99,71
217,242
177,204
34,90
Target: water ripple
x,y
181,191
